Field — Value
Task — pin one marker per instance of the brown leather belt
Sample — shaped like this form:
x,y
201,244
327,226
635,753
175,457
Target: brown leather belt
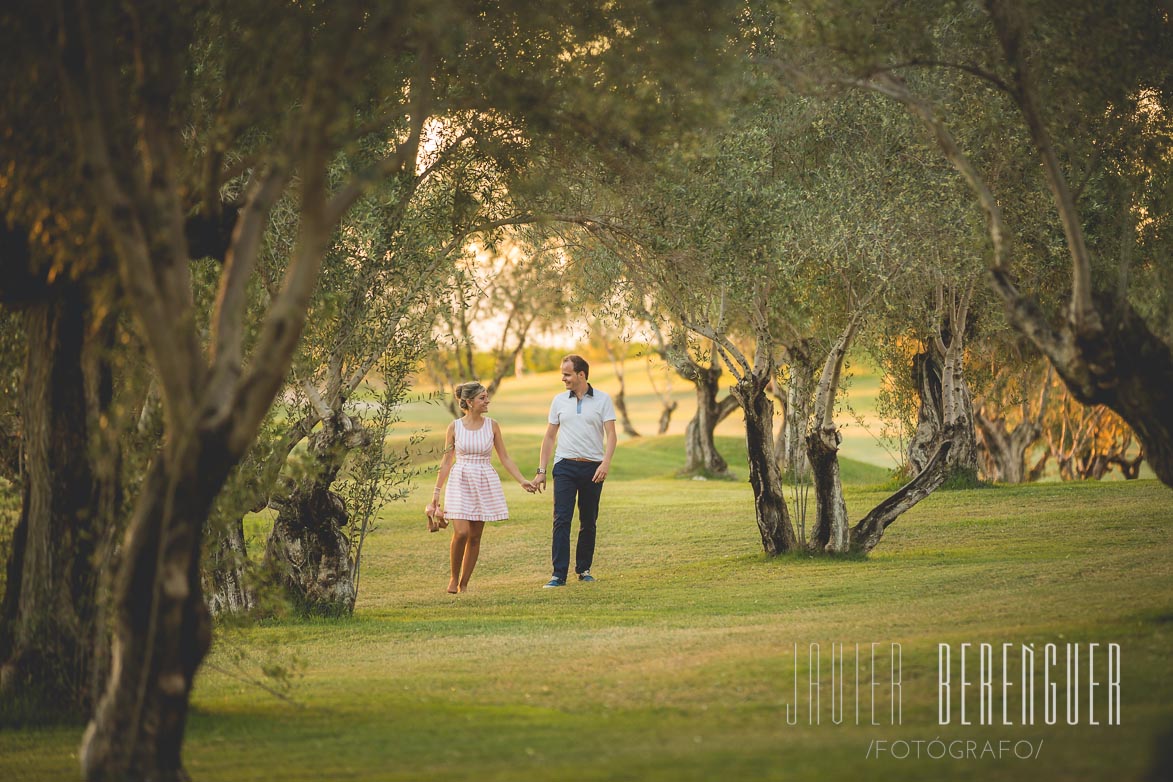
x,y
581,459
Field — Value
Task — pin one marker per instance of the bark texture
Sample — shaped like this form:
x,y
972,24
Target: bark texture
x,y
822,446
700,448
799,394
161,625
944,395
308,551
773,517
1006,447
867,533
47,646
927,370
831,524
226,576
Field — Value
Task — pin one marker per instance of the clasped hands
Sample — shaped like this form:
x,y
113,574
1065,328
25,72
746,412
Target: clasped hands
x,y
539,482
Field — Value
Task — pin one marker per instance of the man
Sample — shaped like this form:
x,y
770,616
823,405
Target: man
x,y
583,422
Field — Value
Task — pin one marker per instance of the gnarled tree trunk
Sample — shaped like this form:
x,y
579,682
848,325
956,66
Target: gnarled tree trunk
x,y
700,448
162,628
927,369
945,398
226,574
830,531
50,613
867,533
800,393
831,523
773,517
1006,448
308,551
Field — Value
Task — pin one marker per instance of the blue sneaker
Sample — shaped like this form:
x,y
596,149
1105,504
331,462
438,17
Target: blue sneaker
x,y
585,576
554,582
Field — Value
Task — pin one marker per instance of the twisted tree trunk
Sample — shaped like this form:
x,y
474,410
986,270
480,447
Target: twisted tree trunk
x,y
831,523
700,448
927,369
308,551
867,533
1007,448
945,398
773,517
830,532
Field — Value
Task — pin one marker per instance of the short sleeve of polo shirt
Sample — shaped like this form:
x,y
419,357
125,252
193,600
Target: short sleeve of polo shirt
x,y
608,409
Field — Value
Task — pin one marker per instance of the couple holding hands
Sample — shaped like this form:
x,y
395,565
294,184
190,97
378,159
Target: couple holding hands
x,y
582,421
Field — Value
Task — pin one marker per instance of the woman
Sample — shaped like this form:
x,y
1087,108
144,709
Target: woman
x,y
474,493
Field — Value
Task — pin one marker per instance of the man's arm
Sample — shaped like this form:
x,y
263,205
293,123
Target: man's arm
x,y
610,441
547,451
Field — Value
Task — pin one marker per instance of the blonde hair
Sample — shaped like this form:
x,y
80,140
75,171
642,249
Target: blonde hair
x,y
466,392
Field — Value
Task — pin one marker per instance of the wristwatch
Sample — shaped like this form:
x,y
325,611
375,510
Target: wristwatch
x,y
541,471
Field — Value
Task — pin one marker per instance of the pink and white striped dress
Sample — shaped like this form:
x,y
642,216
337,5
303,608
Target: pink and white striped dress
x,y
474,491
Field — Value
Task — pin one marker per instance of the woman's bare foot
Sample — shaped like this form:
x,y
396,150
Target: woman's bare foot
x,y
452,587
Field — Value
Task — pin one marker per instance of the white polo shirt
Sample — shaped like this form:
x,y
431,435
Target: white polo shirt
x,y
580,424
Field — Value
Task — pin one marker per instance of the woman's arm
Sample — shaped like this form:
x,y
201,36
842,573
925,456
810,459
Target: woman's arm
x,y
506,462
445,462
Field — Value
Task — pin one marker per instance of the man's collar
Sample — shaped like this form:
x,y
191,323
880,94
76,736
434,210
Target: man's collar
x,y
590,392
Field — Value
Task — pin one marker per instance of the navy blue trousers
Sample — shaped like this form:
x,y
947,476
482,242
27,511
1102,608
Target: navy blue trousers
x,y
572,481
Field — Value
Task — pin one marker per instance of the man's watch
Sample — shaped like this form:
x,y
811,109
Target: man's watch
x,y
541,471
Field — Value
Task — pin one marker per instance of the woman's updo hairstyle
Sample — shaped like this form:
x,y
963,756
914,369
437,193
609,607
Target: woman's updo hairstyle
x,y
466,392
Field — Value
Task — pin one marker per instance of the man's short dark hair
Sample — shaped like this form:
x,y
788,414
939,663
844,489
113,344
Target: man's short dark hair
x,y
579,363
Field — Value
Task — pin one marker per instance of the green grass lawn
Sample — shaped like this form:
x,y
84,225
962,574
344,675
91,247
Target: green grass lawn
x,y
678,663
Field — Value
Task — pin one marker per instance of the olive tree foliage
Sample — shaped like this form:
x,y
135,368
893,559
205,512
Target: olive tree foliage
x,y
170,109
787,232
728,241
382,282
1088,87
885,244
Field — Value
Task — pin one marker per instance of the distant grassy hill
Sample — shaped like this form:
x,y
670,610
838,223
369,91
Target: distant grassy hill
x,y
521,405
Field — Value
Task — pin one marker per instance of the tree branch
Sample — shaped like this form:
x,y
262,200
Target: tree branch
x,y
231,299
1008,26
287,314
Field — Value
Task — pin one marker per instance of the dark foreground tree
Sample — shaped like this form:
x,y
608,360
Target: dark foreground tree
x,y
169,108
48,630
